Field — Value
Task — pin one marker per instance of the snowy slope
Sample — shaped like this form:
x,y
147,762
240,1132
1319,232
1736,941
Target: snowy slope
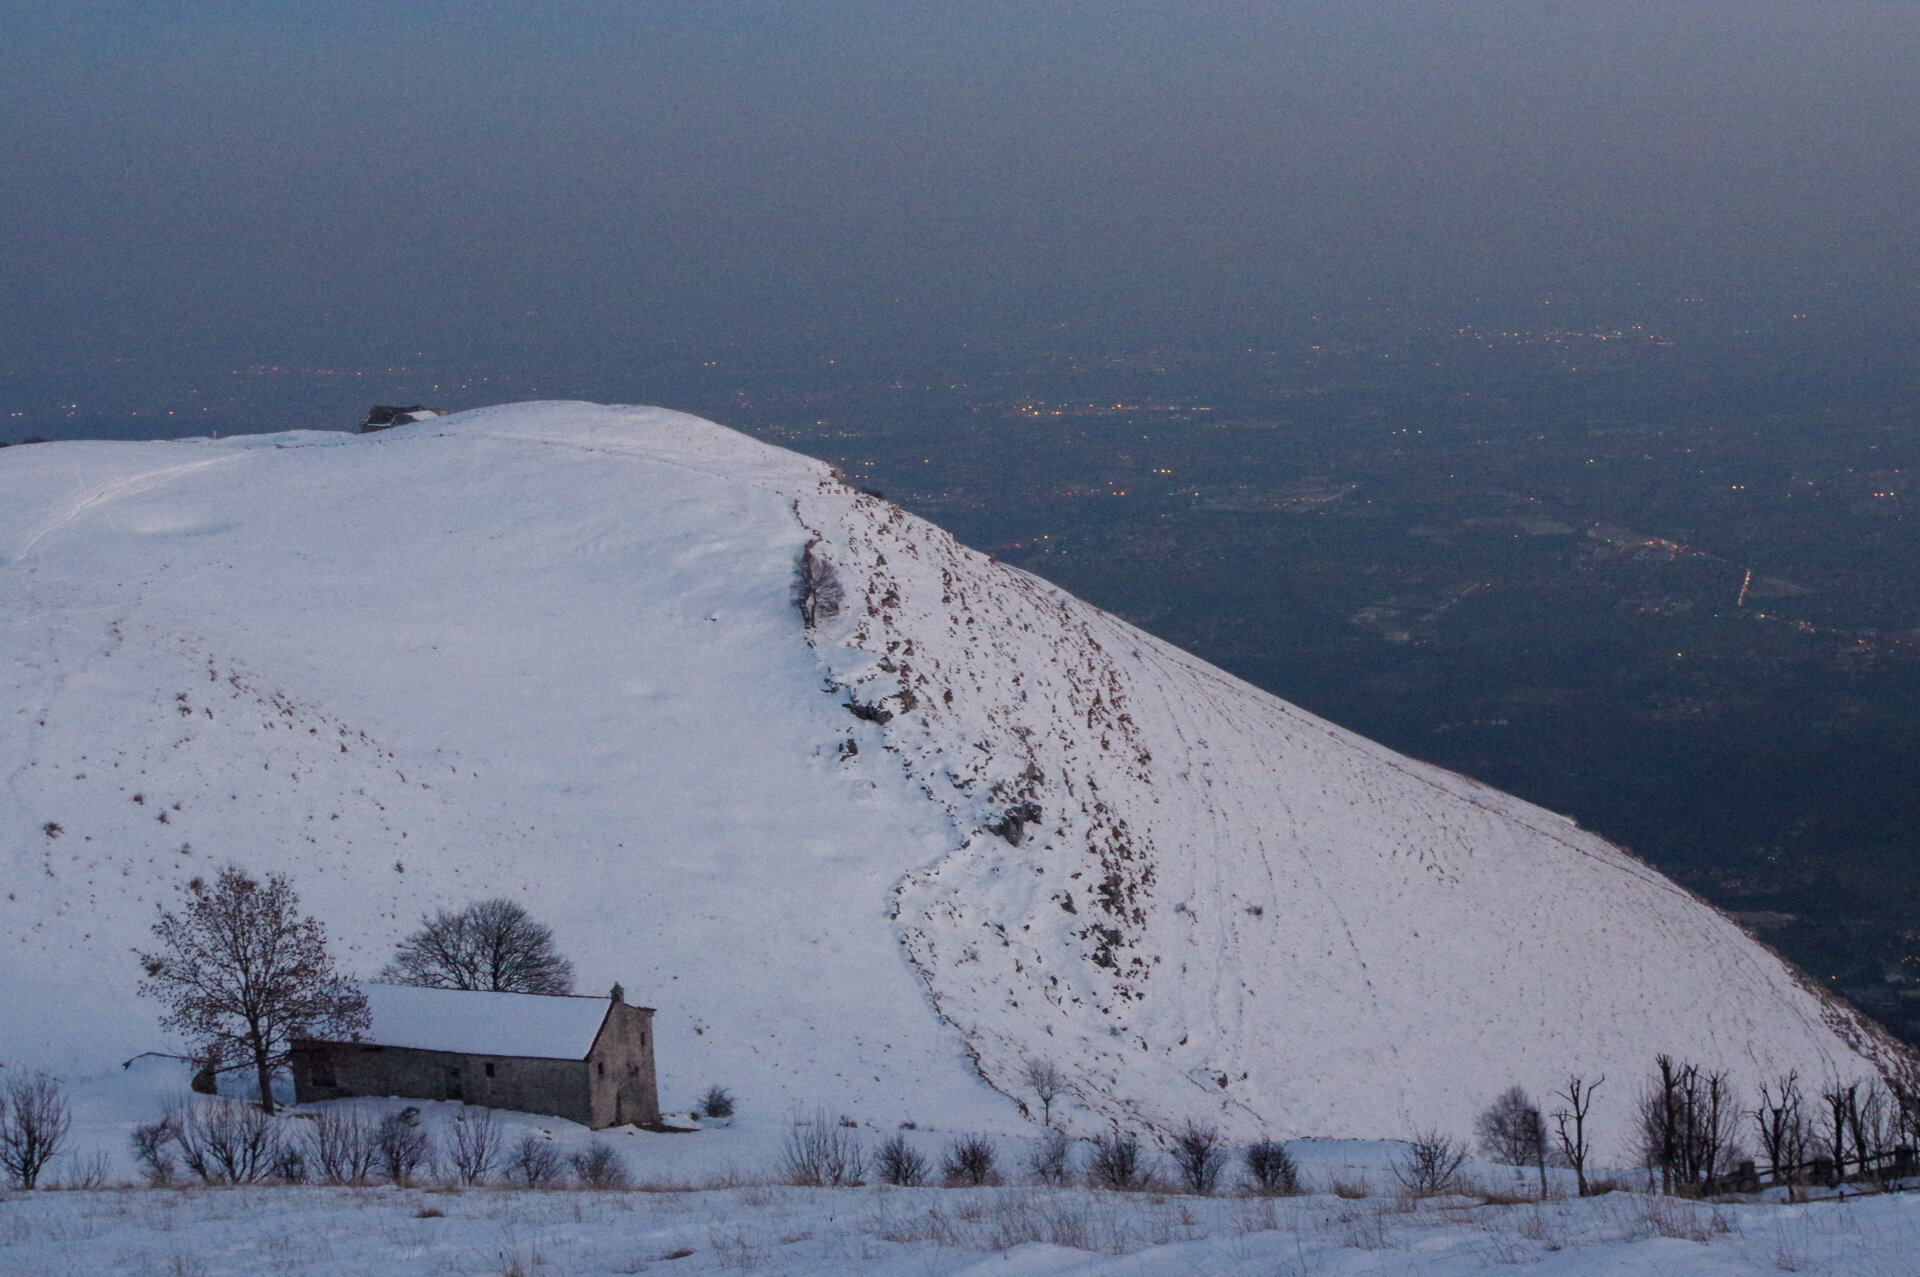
x,y
547,650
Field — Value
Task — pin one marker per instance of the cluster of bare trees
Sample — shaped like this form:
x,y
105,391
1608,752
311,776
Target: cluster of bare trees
x,y
1689,1124
1513,1130
224,1141
1813,1139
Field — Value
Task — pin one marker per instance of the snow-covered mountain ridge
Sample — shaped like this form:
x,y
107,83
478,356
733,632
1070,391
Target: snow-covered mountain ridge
x,y
548,650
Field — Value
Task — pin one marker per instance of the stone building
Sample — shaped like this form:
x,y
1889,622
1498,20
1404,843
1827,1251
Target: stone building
x,y
589,1060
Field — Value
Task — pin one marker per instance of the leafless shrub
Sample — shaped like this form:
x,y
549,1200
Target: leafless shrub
x,y
534,1162
1199,1156
969,1162
1536,1227
734,1245
1364,1228
474,1145
224,1141
1664,1217
1271,1171
598,1166
87,1173
152,1144
289,1165
1430,1165
1045,1079
1116,1161
1051,1159
718,1102
1500,1196
897,1162
1351,1189
342,1145
402,1147
818,1153
33,1122
1256,1215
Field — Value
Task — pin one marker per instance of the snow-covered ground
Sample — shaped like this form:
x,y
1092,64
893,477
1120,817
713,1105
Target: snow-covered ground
x,y
548,651
715,1199
756,1226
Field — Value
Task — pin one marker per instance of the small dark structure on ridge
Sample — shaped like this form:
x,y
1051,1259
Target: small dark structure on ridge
x,y
589,1060
383,417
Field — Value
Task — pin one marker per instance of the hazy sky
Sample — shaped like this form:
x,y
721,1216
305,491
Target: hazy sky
x,y
313,183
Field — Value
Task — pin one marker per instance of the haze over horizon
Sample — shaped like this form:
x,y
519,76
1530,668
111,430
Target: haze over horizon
x,y
560,198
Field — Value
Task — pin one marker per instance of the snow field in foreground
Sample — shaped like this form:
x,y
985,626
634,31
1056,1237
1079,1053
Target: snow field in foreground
x,y
713,1201
1010,1232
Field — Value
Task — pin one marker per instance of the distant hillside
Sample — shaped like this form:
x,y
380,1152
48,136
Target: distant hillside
x,y
549,650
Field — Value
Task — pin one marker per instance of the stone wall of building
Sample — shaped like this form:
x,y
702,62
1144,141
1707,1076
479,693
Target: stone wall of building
x,y
620,1069
340,1070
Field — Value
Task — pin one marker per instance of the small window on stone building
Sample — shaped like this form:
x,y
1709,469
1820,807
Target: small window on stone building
x,y
603,1068
489,1068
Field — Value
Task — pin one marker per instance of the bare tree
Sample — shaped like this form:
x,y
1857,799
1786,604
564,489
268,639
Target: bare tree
x,y
816,587
819,1152
1199,1156
1044,1078
1511,1130
598,1166
969,1161
1051,1161
1875,1126
1781,1121
490,944
227,1141
474,1145
1272,1170
342,1145
402,1146
1688,1120
1430,1164
1116,1160
33,1122
153,1152
241,969
1838,1104
1571,1125
898,1162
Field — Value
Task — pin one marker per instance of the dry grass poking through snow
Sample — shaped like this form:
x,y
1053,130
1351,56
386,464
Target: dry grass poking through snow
x,y
334,1232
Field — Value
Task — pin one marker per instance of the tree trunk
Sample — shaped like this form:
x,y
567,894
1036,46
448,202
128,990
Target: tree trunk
x,y
263,1071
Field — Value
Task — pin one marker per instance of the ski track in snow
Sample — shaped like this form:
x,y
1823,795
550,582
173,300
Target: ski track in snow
x,y
548,651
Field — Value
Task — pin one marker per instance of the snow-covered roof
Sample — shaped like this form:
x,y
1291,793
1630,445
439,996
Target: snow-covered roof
x,y
477,1023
